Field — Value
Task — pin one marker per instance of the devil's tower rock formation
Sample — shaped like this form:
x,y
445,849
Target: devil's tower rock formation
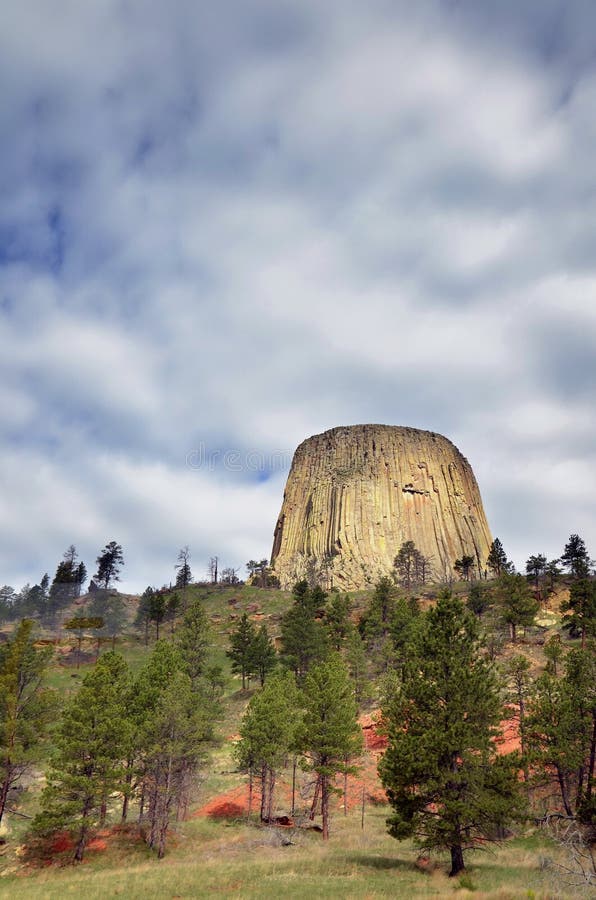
x,y
354,495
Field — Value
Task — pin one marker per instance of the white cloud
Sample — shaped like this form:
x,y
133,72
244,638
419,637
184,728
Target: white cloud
x,y
243,229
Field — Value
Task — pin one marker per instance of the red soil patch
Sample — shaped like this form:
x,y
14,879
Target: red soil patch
x,y
231,805
374,739
61,842
508,741
97,843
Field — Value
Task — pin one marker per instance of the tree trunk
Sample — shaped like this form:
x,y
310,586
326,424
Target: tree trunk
x,y
564,792
513,632
457,860
4,791
315,799
293,787
250,792
128,783
325,805
80,848
592,759
346,790
270,795
264,794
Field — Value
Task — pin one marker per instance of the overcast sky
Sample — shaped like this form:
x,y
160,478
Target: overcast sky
x,y
227,226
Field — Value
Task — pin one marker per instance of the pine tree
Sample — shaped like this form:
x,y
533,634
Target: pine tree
x,y
303,637
497,560
141,702
554,652
268,734
580,610
91,746
143,616
447,787
264,657
109,607
26,707
337,620
561,730
536,567
330,736
174,734
575,557
109,563
157,610
518,606
241,650
183,571
193,637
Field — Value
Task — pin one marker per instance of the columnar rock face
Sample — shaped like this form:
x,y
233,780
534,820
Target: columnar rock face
x,y
354,495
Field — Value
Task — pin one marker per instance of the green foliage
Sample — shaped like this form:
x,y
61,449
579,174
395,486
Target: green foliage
x,y
410,566
536,567
109,563
157,606
497,561
356,660
183,572
109,607
268,733
575,557
554,652
241,650
303,637
517,603
26,708
464,566
561,728
91,742
580,610
447,787
337,620
479,599
174,733
192,640
264,657
330,736
143,616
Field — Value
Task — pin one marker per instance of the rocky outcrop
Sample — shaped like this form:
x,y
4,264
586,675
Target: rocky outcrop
x,y
354,495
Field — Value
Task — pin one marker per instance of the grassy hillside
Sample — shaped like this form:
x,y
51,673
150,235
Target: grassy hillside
x,y
212,853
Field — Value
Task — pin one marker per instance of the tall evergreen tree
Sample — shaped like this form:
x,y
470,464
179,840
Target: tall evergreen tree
x,y
518,606
91,743
183,571
174,734
579,611
143,615
447,787
241,652
192,640
27,708
497,561
264,657
536,567
330,736
109,562
268,734
575,557
561,730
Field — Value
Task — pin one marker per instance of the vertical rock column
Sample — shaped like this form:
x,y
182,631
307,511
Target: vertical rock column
x,y
354,495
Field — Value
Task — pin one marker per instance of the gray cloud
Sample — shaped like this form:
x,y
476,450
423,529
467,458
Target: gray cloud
x,y
236,226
